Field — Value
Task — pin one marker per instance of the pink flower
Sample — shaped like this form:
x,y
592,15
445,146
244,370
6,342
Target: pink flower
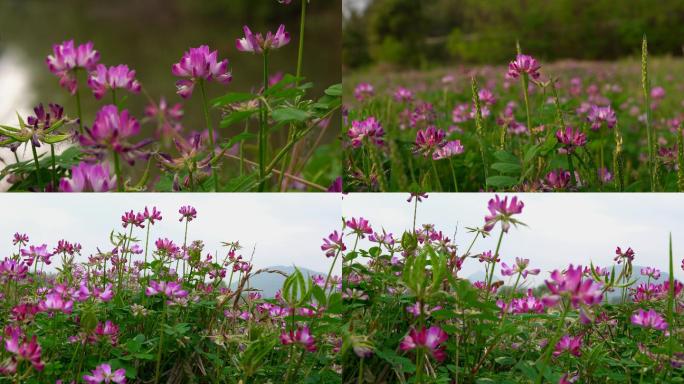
x,y
332,244
36,253
301,336
430,338
105,295
649,319
570,139
54,302
131,218
657,93
67,58
88,178
16,344
652,272
108,331
198,63
451,148
13,269
523,64
502,211
19,238
169,118
103,374
570,283
416,309
628,255
166,246
114,77
557,180
568,379
259,44
570,344
360,226
429,140
187,212
519,267
599,115
110,131
153,216
170,289
527,304
363,91
403,95
366,129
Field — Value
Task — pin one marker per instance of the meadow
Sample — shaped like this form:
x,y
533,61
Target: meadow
x,y
270,138
414,318
147,309
529,126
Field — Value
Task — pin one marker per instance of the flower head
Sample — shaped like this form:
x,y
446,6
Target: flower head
x,y
597,116
20,238
23,349
523,64
430,339
403,95
259,43
369,129
333,244
429,140
568,344
451,148
572,284
103,374
649,319
87,177
626,256
187,212
118,76
364,91
360,226
110,132
67,57
153,216
502,211
570,138
654,273
519,267
198,63
301,336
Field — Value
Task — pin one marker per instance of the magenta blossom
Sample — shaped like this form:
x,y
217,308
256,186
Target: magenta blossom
x,y
110,131
403,95
430,339
55,303
13,269
429,140
597,116
23,350
103,374
133,219
569,344
166,246
571,283
651,272
20,238
118,76
527,304
360,226
88,178
199,64
259,43
523,64
187,212
627,256
649,319
170,289
35,254
570,138
366,129
333,244
520,267
451,148
301,336
364,91
67,58
502,211
153,216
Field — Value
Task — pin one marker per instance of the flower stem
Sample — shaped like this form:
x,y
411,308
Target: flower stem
x,y
453,174
262,130
525,80
211,133
35,160
117,171
300,51
54,168
161,342
496,256
78,104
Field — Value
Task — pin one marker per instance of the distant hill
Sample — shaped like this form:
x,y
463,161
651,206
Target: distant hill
x,y
270,283
480,276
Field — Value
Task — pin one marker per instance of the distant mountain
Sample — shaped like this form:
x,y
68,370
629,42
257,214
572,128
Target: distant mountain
x,y
480,276
270,283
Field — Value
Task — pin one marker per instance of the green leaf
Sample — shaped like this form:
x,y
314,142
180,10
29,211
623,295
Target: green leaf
x,y
287,114
238,138
232,97
334,90
236,117
501,181
506,157
506,167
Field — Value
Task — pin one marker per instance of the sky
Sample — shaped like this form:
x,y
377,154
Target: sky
x,y
285,228
562,228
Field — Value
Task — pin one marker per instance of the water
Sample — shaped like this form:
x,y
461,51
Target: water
x,y
150,36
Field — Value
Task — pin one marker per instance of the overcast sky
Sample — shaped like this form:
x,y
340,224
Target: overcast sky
x,y
286,228
563,228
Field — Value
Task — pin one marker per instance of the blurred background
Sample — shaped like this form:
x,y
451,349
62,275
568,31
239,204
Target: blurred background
x,y
420,34
150,36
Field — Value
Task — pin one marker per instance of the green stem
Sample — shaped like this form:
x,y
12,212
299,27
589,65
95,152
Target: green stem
x,y
78,103
496,256
117,171
434,170
551,345
300,51
524,80
161,342
210,127
54,168
262,130
453,174
35,160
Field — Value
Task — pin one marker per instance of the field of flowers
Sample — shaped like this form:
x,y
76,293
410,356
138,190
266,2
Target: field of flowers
x,y
154,311
413,318
110,154
533,126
